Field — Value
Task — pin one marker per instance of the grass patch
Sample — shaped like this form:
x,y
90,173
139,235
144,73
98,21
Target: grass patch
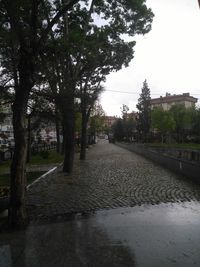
x,y
31,176
184,145
51,157
46,158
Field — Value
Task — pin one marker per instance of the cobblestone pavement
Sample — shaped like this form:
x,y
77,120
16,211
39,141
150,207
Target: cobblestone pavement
x,y
110,177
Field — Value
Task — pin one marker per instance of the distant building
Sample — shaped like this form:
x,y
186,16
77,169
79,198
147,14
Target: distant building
x,y
109,121
132,115
169,100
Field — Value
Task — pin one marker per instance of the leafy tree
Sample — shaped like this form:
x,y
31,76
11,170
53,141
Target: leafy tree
x,y
118,130
124,110
162,121
25,29
195,114
124,129
23,34
96,121
130,127
182,118
94,50
144,112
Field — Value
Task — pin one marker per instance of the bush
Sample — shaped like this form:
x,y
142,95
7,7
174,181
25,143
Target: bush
x,y
44,154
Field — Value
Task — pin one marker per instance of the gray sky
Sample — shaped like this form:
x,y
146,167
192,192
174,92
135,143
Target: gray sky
x,y
168,57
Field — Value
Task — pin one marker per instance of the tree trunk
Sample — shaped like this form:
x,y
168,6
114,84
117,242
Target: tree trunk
x,y
28,158
83,135
58,148
162,138
17,212
17,208
69,140
63,140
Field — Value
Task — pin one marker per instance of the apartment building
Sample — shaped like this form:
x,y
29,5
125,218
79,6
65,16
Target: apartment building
x,y
166,102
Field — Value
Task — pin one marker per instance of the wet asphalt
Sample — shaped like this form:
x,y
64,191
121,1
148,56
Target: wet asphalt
x,y
163,235
146,234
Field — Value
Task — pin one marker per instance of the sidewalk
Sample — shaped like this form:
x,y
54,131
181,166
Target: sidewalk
x,y
85,220
110,177
165,235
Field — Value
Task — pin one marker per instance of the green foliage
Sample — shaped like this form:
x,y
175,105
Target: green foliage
x,y
182,117
162,120
195,118
181,122
144,111
53,158
124,129
97,119
118,130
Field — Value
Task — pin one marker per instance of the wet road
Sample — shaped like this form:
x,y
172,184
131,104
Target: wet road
x,y
166,235
111,177
116,210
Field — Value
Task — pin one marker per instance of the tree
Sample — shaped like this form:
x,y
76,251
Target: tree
x,y
182,118
124,110
88,99
22,39
162,121
96,121
25,29
118,130
195,115
95,50
144,112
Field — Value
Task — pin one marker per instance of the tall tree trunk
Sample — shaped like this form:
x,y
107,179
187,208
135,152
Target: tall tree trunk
x,y
17,207
83,135
63,139
17,211
58,148
69,138
28,158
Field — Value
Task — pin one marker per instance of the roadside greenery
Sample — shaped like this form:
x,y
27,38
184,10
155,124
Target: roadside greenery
x,y
144,113
61,51
36,160
177,125
31,176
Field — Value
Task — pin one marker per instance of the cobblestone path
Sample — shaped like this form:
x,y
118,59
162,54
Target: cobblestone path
x,y
110,177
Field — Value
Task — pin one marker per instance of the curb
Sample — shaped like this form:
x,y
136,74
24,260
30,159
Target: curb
x,y
43,176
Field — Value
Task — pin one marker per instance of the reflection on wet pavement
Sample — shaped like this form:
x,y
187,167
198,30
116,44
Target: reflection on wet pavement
x,y
146,236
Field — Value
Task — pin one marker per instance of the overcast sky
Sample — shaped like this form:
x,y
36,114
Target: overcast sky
x,y
168,57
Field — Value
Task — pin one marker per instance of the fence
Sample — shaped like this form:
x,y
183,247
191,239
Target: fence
x,y
6,154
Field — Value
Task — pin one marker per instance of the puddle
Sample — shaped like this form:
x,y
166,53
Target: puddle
x,y
146,236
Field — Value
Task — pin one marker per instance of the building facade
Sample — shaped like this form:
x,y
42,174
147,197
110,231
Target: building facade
x,y
109,121
166,102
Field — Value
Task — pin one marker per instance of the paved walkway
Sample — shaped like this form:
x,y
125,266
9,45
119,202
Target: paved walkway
x,y
110,177
164,235
141,236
